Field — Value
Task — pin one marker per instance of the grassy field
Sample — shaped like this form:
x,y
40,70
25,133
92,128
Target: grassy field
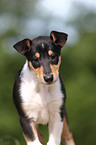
x,y
78,71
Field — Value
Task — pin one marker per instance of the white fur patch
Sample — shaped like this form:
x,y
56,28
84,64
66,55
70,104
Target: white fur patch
x,y
39,101
36,142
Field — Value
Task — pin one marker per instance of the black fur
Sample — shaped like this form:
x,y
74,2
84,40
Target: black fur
x,y
63,109
27,129
24,121
16,94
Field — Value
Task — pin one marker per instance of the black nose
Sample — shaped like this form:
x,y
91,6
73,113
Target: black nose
x,y
48,78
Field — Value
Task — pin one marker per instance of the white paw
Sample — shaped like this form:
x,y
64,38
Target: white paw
x,y
52,143
36,142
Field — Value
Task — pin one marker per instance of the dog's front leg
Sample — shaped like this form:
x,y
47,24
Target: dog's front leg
x,y
29,131
55,130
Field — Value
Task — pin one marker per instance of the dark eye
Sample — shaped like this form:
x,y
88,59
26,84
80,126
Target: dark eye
x,y
53,56
54,59
35,59
35,62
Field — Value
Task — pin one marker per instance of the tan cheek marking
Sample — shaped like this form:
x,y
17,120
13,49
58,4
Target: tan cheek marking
x,y
55,69
50,52
38,71
37,55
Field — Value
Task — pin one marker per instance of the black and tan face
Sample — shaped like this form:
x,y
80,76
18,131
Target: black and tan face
x,y
43,54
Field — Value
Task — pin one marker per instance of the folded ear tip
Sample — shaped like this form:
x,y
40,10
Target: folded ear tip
x,y
23,46
59,38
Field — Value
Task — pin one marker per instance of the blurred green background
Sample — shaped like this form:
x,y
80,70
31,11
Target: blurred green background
x,y
21,19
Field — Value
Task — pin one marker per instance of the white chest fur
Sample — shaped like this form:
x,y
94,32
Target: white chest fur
x,y
39,101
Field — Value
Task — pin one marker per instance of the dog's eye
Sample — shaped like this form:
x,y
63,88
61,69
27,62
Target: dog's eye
x,y
35,59
53,56
35,62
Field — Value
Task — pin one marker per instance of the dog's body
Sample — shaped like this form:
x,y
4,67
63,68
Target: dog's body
x,y
39,94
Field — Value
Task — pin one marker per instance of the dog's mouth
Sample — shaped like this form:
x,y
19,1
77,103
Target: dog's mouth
x,y
48,84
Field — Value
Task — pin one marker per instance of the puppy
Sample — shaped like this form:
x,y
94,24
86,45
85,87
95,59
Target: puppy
x,y
38,93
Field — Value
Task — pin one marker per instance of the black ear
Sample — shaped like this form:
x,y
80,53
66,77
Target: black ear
x,y
59,38
23,46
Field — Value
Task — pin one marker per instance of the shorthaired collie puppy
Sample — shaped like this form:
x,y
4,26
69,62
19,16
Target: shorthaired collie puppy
x,y
39,94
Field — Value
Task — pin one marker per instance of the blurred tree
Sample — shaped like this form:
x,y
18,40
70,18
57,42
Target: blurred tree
x,y
21,18
84,19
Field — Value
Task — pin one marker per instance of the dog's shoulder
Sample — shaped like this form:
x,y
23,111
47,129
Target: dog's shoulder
x,y
16,94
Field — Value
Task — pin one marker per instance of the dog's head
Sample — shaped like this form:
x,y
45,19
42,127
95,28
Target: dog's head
x,y
43,55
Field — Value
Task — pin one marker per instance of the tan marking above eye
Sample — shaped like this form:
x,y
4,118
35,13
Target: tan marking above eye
x,y
50,52
37,55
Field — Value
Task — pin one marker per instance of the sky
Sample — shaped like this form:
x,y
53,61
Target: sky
x,y
62,8
64,11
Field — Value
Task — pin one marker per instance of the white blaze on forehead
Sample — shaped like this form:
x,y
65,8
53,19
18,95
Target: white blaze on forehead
x,y
43,45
